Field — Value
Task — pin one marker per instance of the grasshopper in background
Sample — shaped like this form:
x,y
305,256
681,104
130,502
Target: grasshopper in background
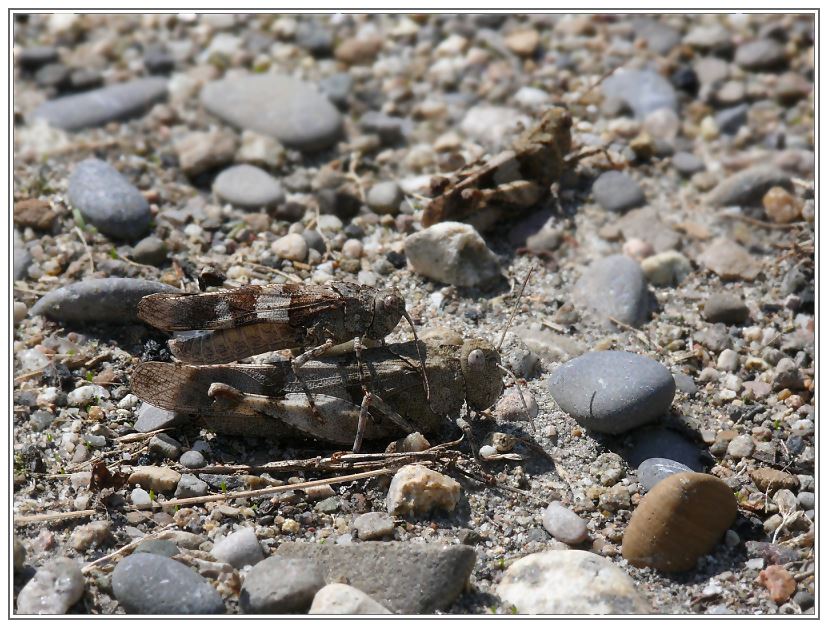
x,y
250,320
267,400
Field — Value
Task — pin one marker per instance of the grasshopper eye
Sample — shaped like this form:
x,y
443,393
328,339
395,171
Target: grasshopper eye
x,y
476,359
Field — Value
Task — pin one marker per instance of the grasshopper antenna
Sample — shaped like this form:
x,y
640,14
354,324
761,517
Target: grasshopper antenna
x,y
420,355
514,309
520,394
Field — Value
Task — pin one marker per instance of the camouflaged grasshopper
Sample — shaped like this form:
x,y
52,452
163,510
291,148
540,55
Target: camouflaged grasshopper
x,y
268,400
254,319
488,190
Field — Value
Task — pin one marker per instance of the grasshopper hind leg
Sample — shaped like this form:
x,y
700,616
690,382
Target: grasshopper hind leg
x,y
299,361
370,400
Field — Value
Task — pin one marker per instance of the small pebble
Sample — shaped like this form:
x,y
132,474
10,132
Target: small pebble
x,y
191,486
342,599
617,192
279,585
192,459
239,548
564,525
452,253
291,247
416,490
54,588
374,525
385,197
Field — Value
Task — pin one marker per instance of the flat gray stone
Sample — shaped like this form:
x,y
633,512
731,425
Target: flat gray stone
x,y
149,584
110,300
151,418
614,287
612,391
653,470
687,164
107,104
760,54
404,577
290,110
374,525
248,187
159,547
617,192
645,224
192,459
564,525
190,486
749,186
281,584
644,91
107,200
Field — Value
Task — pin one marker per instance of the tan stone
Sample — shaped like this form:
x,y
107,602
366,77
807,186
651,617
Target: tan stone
x,y
781,206
416,489
158,479
729,260
772,480
34,213
779,583
523,42
681,519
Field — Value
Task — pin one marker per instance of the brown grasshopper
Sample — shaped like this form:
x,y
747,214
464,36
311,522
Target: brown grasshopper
x,y
254,319
268,400
484,191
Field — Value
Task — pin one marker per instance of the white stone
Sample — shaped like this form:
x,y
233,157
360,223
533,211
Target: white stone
x,y
563,524
86,394
291,247
343,599
54,588
416,489
239,548
570,582
666,269
140,499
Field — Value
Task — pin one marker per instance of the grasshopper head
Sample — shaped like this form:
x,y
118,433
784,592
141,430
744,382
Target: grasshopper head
x,y
479,362
389,306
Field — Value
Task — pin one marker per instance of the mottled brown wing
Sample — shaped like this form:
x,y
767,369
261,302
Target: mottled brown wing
x,y
277,303
228,345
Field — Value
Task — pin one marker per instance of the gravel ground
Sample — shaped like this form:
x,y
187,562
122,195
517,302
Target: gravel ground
x,y
221,150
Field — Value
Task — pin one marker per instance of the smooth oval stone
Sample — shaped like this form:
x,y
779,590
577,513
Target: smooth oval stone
x,y
248,187
724,307
617,192
107,200
748,186
149,584
660,442
653,470
644,91
612,391
283,107
110,300
97,107
614,287
681,519
565,582
563,524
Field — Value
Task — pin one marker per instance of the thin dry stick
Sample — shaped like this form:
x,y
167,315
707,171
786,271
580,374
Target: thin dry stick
x,y
190,501
352,174
52,516
86,247
514,309
29,375
132,438
103,559
762,223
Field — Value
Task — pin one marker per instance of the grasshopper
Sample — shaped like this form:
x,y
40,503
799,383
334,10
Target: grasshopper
x,y
253,319
487,190
268,400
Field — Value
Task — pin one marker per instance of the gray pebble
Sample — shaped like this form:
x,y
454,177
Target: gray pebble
x,y
687,164
730,120
32,57
192,459
158,60
97,107
281,585
314,38
190,486
374,525
111,300
807,500
404,577
160,547
612,391
22,258
385,197
314,239
248,187
108,201
337,87
290,110
760,54
151,251
653,470
715,38
659,442
55,587
149,584
660,37
615,287
239,548
724,307
390,129
343,599
164,446
685,383
54,75
617,192
644,91
564,525
740,447
84,79
748,186
150,418
728,360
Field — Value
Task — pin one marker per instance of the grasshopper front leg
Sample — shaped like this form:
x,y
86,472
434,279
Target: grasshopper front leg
x,y
299,361
370,400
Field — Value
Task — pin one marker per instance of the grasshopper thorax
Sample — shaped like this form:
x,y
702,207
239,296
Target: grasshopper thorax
x,y
389,306
479,362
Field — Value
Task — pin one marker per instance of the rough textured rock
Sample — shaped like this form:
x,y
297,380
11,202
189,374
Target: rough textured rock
x,y
108,201
729,260
452,253
342,599
416,490
110,300
283,107
570,582
614,287
771,480
54,588
281,585
149,584
159,479
373,525
404,577
97,107
679,520
612,391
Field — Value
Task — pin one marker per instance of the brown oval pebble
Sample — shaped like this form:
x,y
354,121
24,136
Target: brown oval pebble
x,y
679,520
772,480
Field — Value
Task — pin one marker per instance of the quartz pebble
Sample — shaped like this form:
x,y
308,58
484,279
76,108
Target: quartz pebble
x,y
653,470
781,206
666,269
343,599
416,490
291,247
729,260
385,197
563,524
554,583
612,391
679,520
54,588
96,534
239,548
644,91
